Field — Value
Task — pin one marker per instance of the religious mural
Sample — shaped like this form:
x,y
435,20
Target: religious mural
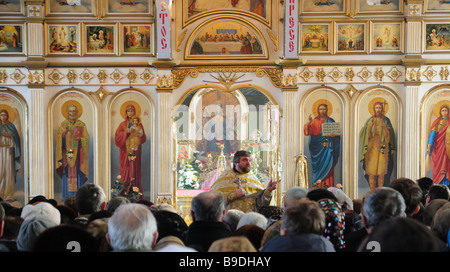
x,y
322,143
13,170
378,134
72,117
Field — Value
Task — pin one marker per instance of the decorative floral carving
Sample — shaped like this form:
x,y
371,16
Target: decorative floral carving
x,y
147,76
86,76
364,74
444,73
71,76
350,74
17,76
320,74
335,74
116,76
429,73
394,73
306,74
3,76
55,76
379,74
102,76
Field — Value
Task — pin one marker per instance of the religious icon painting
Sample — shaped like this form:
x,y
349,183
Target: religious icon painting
x,y
435,136
322,129
100,40
69,8
12,7
226,38
72,122
128,7
316,38
257,9
132,144
137,39
379,6
378,117
62,39
13,148
387,37
437,37
351,38
316,7
438,6
12,39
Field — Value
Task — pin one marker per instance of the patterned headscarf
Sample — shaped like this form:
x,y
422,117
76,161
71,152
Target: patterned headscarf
x,y
335,223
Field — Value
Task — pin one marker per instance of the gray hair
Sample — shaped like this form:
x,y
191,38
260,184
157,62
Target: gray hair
x,y
89,198
253,218
294,194
132,227
381,204
208,206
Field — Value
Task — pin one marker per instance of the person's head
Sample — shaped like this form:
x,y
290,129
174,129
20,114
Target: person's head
x,y
381,204
208,206
322,110
232,217
4,116
411,192
425,183
294,194
41,209
334,222
378,109
437,191
440,224
242,161
342,198
65,238
90,198
320,193
430,210
130,111
253,218
115,202
72,112
132,227
31,229
136,120
401,234
444,111
305,216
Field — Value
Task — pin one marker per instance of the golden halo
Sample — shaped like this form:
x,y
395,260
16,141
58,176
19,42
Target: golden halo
x,y
437,109
378,99
322,101
71,102
124,106
9,110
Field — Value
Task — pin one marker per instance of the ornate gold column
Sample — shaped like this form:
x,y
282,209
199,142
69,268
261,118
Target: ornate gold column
x,y
165,187
290,122
412,63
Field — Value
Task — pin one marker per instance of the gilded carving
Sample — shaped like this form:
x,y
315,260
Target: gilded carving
x,y
3,76
320,74
350,74
102,76
273,39
306,74
17,76
55,76
274,74
71,76
132,76
180,40
164,81
179,75
351,91
101,93
364,74
394,73
86,76
36,77
147,76
335,74
413,75
429,73
289,80
116,76
379,74
444,73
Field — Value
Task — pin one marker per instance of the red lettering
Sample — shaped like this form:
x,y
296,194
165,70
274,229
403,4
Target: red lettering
x,y
291,8
162,16
291,46
163,31
163,5
291,34
163,43
291,22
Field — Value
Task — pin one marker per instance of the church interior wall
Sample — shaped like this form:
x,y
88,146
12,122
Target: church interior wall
x,y
411,73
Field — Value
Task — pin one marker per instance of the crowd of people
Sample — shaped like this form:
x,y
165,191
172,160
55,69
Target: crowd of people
x,y
406,216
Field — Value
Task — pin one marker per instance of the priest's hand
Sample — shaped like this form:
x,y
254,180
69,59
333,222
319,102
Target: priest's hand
x,y
240,192
273,185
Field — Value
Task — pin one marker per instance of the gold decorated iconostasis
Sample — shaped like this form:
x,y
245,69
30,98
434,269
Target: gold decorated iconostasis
x,y
322,93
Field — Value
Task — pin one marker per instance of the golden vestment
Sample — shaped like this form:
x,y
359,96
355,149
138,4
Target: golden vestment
x,y
229,181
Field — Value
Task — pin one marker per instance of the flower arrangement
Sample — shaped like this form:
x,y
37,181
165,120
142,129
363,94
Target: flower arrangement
x,y
319,184
188,177
125,189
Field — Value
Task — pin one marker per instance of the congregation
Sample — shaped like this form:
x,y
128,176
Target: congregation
x,y
405,216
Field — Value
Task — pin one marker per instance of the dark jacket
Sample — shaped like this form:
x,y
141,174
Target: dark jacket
x,y
307,242
202,234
